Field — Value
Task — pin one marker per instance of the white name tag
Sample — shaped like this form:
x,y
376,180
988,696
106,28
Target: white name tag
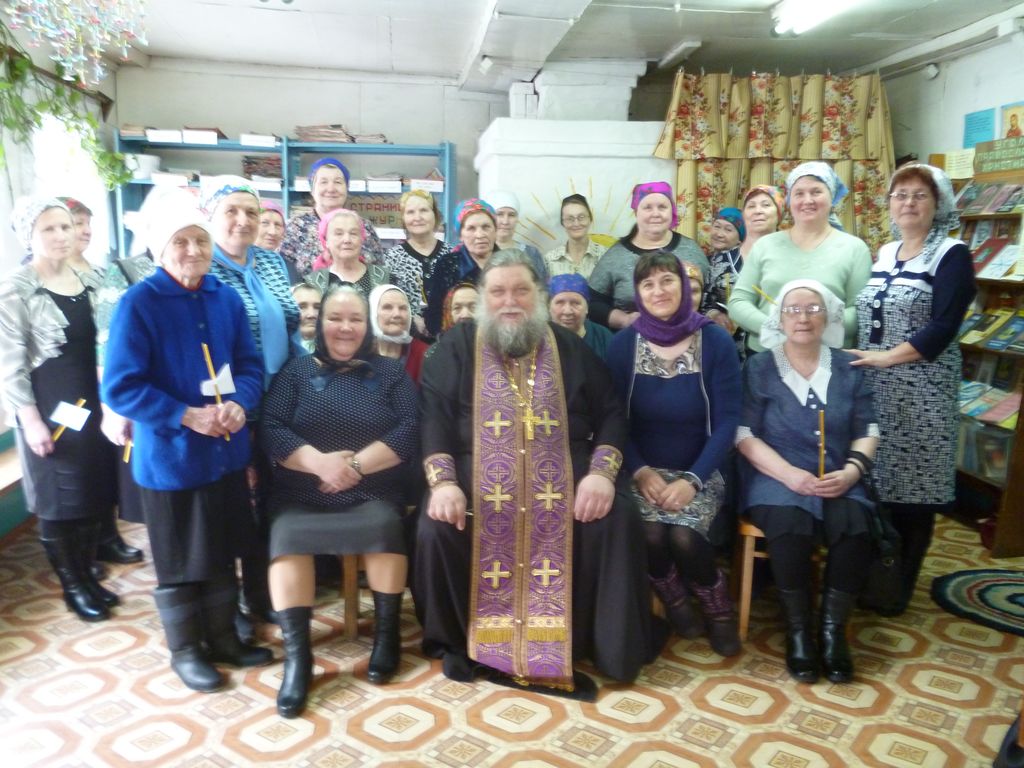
x,y
70,416
225,385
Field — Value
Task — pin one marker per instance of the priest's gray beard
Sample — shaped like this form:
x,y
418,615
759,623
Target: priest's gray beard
x,y
513,339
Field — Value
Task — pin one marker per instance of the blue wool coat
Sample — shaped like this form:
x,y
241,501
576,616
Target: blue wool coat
x,y
154,369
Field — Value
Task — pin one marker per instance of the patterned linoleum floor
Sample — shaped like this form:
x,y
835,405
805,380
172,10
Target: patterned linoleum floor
x,y
932,690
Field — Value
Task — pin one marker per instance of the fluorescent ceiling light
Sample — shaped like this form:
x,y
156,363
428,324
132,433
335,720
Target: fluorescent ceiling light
x,y
798,16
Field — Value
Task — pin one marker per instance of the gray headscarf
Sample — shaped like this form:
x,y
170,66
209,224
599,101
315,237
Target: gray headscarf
x,y
26,212
822,172
947,216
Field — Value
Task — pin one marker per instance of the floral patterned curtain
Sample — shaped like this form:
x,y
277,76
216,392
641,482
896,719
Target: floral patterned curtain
x,y
728,133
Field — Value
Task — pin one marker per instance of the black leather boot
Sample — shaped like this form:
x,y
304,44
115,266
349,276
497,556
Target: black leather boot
x,y
674,595
298,661
801,653
835,651
719,616
254,596
387,640
178,606
65,559
219,599
112,548
88,531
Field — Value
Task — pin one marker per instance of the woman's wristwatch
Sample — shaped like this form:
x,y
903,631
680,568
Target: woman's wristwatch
x,y
693,480
357,466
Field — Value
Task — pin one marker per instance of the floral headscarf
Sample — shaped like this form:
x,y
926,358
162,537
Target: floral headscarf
x,y
735,217
772,192
822,172
27,211
772,334
274,206
947,216
471,206
447,323
324,259
213,189
640,191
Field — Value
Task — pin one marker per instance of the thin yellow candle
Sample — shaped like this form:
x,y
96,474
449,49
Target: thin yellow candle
x,y
821,443
127,456
60,430
728,286
213,378
764,295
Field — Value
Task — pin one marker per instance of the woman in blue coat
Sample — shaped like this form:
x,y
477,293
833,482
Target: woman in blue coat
x,y
809,431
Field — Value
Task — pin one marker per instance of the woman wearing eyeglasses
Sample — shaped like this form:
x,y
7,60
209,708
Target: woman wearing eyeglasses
x,y
808,430
908,316
580,254
815,248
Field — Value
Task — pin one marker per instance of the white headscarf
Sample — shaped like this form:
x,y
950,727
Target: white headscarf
x,y
822,172
375,297
947,215
772,334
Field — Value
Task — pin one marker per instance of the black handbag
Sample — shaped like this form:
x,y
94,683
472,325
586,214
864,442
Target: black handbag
x,y
883,590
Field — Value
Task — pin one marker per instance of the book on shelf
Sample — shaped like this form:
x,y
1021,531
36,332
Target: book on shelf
x,y
993,452
970,320
980,231
967,195
1002,338
132,131
983,403
982,201
1014,202
207,136
164,135
967,446
987,251
1002,410
259,140
1000,197
1003,265
1017,345
1010,422
989,324
970,391
1007,374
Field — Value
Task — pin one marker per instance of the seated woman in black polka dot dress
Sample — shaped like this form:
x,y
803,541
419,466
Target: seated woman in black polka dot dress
x,y
339,424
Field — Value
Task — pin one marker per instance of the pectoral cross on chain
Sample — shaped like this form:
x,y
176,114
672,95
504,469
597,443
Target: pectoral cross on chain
x,y
530,420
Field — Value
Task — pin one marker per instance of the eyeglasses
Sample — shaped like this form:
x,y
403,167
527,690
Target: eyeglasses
x,y
581,219
810,310
901,197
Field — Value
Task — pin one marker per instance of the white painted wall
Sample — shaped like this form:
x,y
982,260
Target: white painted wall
x,y
928,115
170,93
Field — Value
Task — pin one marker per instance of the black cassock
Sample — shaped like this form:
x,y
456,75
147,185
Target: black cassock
x,y
611,619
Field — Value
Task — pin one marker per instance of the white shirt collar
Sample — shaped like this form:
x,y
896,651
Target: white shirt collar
x,y
800,386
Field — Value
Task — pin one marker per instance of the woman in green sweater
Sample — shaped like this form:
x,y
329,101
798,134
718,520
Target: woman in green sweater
x,y
815,248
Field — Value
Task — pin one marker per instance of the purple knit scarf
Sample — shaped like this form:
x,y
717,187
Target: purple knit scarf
x,y
684,322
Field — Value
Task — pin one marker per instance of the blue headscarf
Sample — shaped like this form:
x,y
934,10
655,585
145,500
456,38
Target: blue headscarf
x,y
328,161
735,217
571,281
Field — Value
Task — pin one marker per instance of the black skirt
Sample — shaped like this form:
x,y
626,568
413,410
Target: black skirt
x,y
196,534
372,526
842,517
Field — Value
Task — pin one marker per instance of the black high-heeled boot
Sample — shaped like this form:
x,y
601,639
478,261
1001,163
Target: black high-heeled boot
x,y
387,641
178,606
111,547
219,602
65,559
720,618
298,661
674,595
88,531
835,650
801,654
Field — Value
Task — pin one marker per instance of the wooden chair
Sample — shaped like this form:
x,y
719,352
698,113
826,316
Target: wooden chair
x,y
743,571
350,594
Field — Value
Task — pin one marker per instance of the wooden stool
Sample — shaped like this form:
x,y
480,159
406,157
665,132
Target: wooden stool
x,y
350,594
743,571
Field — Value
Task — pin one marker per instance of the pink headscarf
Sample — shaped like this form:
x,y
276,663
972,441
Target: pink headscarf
x,y
640,191
324,259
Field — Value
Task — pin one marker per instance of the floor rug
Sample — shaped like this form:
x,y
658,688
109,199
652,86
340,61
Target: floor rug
x,y
988,596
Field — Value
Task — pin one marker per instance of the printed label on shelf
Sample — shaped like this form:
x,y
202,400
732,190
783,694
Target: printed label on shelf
x,y
301,185
357,185
162,179
427,185
198,136
163,136
258,140
383,186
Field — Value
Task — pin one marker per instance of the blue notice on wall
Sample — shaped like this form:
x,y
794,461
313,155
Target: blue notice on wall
x,y
979,126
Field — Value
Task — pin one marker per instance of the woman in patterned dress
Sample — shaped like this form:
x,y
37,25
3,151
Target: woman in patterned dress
x,y
342,234
908,316
680,378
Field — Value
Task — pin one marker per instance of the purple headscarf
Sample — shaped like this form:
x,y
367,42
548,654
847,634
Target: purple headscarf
x,y
640,191
684,322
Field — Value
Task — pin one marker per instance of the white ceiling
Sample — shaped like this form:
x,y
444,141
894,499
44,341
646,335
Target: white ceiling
x,y
445,39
